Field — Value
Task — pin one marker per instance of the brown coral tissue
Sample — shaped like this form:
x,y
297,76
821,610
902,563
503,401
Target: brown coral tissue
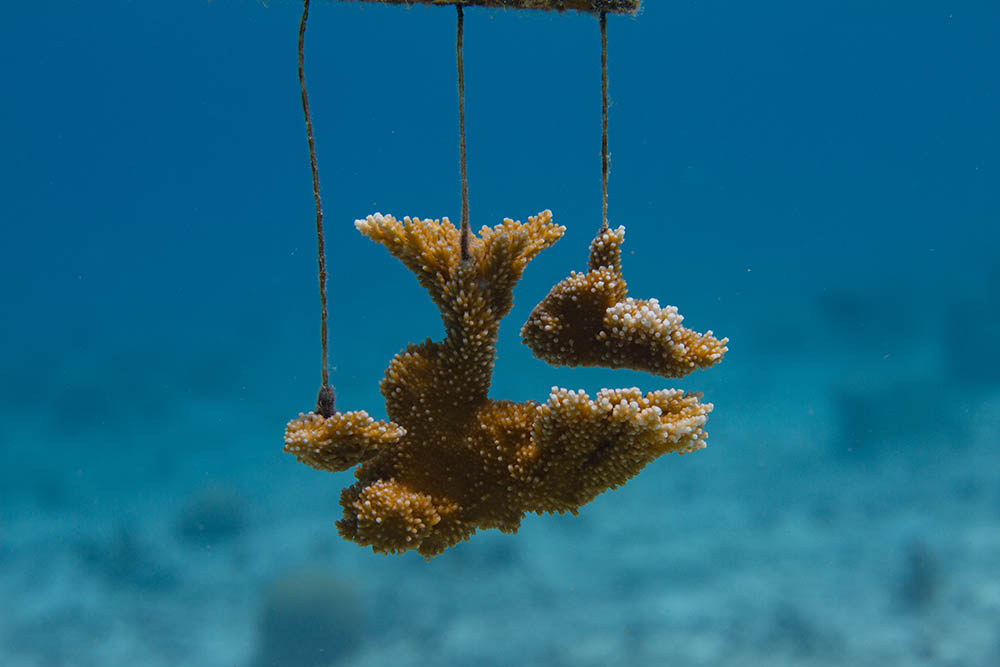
x,y
451,460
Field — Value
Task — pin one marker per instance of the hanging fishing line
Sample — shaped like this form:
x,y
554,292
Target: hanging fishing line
x,y
460,64
325,399
605,161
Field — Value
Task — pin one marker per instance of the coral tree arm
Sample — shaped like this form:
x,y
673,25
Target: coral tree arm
x,y
582,447
338,442
587,319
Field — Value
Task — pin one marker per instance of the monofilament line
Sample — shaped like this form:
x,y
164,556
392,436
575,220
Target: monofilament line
x,y
324,401
464,234
605,161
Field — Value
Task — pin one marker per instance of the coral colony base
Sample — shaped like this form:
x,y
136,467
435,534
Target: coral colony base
x,y
452,460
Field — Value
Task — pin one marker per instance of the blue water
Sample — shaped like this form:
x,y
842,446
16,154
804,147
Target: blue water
x,y
817,181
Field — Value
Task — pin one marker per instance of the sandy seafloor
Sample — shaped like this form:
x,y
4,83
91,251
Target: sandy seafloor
x,y
819,184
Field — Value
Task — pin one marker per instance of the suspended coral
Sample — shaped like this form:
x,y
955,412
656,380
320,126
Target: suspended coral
x,y
451,460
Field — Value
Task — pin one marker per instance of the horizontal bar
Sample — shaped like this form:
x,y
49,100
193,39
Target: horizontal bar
x,y
593,6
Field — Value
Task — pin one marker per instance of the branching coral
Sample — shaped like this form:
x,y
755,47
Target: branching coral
x,y
452,460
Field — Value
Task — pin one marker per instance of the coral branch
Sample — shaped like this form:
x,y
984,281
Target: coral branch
x,y
582,447
338,442
587,319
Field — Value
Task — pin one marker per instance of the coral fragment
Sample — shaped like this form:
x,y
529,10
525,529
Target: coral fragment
x,y
452,460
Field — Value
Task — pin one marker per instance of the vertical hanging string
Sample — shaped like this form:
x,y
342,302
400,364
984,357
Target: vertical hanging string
x,y
325,400
604,121
461,133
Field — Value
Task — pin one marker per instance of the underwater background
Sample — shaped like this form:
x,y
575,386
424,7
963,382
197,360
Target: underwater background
x,y
819,182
